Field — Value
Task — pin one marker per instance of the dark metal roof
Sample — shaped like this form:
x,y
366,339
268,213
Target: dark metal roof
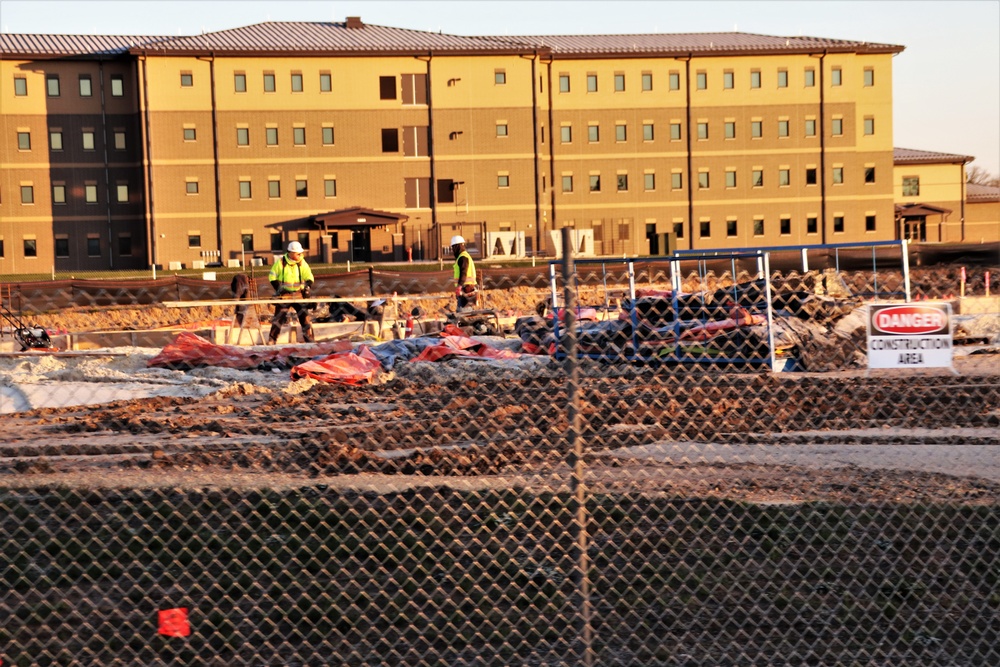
x,y
981,193
69,46
357,216
919,210
912,156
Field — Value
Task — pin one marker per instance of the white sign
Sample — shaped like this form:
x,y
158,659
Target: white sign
x,y
910,335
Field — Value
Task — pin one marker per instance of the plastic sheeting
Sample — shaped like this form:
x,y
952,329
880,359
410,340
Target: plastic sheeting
x,y
350,368
192,351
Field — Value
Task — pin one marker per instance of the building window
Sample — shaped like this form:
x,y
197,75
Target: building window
x,y
757,178
703,180
122,193
679,230
567,183
782,128
705,228
622,182
88,140
503,181
246,240
837,127
836,77
327,136
245,191
755,78
269,82
62,246
27,194
869,174
52,85
301,187
299,136
86,86
242,136
591,83
187,79
728,80
782,78
647,81
303,239
730,129
812,225
810,126
731,228
676,180
784,177
117,85
325,82
911,186
786,226
702,131
190,134
93,246
649,182
647,131
387,87
30,248
500,77
390,140
20,86
620,132
810,175
564,83
674,81
119,139
758,227
566,134
194,240
675,131
593,133
595,182
271,136
870,223
274,189
701,80
810,79
330,187
869,126
240,82
838,224
24,141
58,194
191,187
296,82
501,129
125,246
278,243
756,129
838,175
869,80
730,178
619,82
90,193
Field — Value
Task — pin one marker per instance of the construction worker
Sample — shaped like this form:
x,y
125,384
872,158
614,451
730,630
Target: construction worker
x,y
241,290
465,274
291,277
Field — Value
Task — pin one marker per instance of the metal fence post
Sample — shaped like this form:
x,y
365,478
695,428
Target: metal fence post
x,y
575,459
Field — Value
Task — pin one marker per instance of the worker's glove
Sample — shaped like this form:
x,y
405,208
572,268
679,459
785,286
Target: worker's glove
x,y
458,291
305,292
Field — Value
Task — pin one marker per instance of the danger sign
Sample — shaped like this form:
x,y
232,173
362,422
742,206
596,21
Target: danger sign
x,y
909,335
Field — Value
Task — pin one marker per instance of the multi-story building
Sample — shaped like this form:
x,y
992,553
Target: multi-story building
x,y
371,143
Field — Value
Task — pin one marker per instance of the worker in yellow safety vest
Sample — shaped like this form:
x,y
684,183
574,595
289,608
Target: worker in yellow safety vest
x,y
465,274
291,277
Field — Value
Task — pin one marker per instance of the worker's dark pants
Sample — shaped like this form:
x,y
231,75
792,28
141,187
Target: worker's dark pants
x,y
281,314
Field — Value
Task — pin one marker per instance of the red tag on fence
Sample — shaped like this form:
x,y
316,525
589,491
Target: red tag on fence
x,y
174,622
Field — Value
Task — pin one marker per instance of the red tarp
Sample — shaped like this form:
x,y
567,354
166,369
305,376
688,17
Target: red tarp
x,y
341,368
455,344
190,350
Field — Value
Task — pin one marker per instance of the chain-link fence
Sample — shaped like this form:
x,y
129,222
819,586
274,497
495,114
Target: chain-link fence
x,y
582,470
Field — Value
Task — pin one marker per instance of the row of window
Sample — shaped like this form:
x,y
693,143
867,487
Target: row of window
x,y
810,226
53,85
57,140
29,246
90,193
702,129
729,80
704,179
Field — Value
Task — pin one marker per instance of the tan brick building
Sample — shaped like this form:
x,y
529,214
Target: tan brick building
x,y
370,143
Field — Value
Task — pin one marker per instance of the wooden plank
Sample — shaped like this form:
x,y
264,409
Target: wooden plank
x,y
250,302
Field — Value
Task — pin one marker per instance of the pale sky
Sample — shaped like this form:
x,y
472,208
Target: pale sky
x,y
946,84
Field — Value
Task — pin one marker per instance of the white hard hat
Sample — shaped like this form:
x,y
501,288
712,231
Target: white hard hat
x,y
455,240
294,246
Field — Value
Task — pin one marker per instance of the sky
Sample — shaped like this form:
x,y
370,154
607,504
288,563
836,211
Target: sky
x,y
946,84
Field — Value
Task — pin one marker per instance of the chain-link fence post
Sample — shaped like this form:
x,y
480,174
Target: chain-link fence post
x,y
575,447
